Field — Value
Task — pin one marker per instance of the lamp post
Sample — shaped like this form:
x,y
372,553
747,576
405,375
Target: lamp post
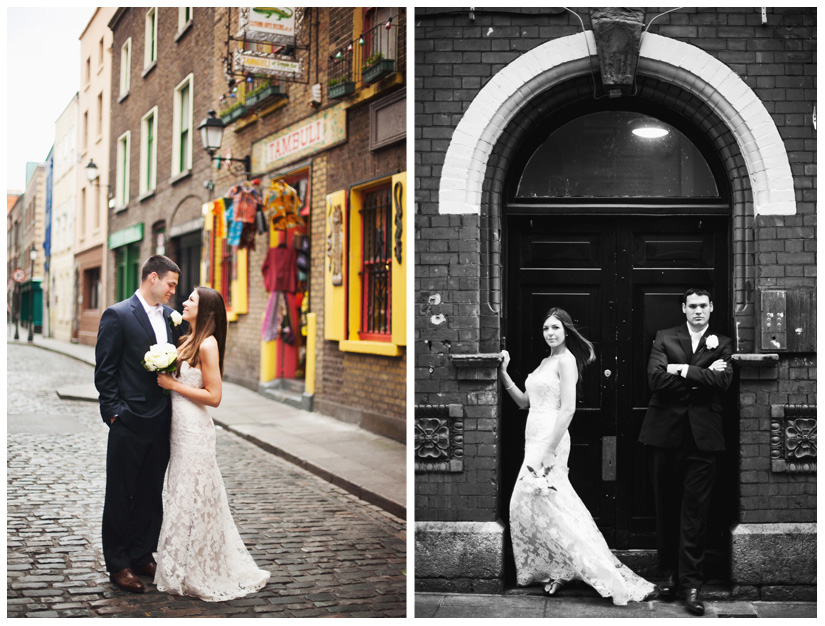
x,y
211,131
33,257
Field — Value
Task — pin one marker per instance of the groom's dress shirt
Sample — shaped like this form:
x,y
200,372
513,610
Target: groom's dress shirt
x,y
155,314
695,338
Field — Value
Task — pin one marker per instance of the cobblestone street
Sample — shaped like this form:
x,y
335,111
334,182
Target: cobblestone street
x,y
330,554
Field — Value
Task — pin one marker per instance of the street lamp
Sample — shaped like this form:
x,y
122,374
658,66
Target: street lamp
x,y
92,175
33,257
211,131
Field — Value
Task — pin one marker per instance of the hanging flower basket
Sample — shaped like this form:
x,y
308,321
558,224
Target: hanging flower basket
x,y
339,90
378,70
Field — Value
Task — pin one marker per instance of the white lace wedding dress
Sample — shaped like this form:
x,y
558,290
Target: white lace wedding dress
x,y
554,536
200,552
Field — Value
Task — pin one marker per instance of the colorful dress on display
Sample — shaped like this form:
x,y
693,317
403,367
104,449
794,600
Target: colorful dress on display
x,y
554,536
200,551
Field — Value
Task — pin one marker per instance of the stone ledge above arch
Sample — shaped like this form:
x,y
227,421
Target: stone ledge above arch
x,y
462,175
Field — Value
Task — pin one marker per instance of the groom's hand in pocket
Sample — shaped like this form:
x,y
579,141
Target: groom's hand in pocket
x,y
112,421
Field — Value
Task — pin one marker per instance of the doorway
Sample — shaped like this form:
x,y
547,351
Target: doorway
x,y
621,277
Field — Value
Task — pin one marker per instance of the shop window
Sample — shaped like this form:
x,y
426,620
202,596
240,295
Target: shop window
x,y
376,263
225,267
365,272
617,154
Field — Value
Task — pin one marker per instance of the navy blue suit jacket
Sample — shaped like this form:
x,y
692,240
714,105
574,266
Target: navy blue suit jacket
x,y
126,389
695,401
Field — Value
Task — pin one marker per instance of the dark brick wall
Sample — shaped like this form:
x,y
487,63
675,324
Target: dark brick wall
x,y
455,57
173,203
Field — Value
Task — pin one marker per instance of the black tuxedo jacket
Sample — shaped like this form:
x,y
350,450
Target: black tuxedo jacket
x,y
694,401
126,389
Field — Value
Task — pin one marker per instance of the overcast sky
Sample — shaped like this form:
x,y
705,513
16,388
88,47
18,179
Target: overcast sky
x,y
42,75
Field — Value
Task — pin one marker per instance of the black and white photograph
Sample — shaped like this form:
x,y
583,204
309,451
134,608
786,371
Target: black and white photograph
x,y
615,300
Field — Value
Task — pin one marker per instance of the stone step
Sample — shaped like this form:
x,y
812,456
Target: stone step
x,y
287,391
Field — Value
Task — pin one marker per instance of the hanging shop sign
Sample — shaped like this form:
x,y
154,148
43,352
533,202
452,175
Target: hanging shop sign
x,y
267,64
278,25
314,134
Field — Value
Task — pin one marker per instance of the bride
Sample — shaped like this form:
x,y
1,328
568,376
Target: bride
x,y
200,552
555,539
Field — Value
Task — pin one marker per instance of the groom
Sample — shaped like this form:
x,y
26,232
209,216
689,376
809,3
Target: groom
x,y
688,371
138,414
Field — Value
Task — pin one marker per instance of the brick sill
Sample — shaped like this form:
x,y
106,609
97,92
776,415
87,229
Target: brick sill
x,y
755,360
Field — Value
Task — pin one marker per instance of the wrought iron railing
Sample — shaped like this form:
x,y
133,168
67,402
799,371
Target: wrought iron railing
x,y
364,60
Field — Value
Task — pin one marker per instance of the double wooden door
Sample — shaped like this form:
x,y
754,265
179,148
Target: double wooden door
x,y
621,278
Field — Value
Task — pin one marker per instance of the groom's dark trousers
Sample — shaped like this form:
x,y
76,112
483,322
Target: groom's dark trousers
x,y
138,446
683,427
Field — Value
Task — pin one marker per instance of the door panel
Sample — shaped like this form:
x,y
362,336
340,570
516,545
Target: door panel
x,y
621,279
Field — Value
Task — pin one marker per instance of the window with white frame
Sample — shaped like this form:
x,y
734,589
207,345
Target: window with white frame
x,y
125,67
184,17
148,151
150,49
122,179
182,128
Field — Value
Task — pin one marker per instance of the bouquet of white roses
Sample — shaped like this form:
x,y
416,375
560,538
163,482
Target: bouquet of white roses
x,y
162,357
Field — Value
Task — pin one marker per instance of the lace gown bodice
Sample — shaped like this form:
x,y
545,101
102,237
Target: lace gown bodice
x,y
554,536
200,552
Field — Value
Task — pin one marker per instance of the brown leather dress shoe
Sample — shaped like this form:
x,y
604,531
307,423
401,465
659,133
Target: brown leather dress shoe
x,y
126,580
147,570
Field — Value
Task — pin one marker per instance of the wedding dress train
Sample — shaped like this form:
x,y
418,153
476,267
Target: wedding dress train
x,y
200,552
554,536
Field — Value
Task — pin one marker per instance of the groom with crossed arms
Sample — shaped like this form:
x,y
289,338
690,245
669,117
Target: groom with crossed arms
x,y
688,371
138,415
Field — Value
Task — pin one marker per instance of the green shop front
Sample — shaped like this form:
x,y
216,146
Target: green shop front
x,y
125,244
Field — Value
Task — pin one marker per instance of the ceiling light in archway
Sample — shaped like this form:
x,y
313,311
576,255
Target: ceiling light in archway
x,y
649,128
650,131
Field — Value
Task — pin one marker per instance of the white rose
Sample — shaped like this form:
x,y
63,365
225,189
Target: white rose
x,y
160,356
712,342
176,318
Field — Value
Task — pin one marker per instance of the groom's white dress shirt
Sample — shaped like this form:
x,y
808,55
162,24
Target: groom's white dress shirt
x,y
155,314
695,338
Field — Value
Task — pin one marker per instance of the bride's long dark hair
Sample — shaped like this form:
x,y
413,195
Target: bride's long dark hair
x,y
211,320
579,347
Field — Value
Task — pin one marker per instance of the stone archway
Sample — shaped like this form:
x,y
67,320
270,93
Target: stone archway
x,y
465,164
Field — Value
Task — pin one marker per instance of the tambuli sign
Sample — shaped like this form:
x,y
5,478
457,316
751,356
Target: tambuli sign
x,y
314,134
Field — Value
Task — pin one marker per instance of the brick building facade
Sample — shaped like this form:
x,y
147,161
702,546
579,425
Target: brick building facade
x,y
157,165
358,381
491,85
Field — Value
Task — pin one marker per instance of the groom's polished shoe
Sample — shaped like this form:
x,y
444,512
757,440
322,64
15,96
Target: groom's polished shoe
x,y
126,580
147,570
667,588
693,603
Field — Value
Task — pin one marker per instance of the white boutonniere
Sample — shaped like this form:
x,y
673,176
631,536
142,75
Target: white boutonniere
x,y
176,318
712,342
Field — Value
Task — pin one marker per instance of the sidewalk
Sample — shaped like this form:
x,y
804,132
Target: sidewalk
x,y
446,605
367,465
